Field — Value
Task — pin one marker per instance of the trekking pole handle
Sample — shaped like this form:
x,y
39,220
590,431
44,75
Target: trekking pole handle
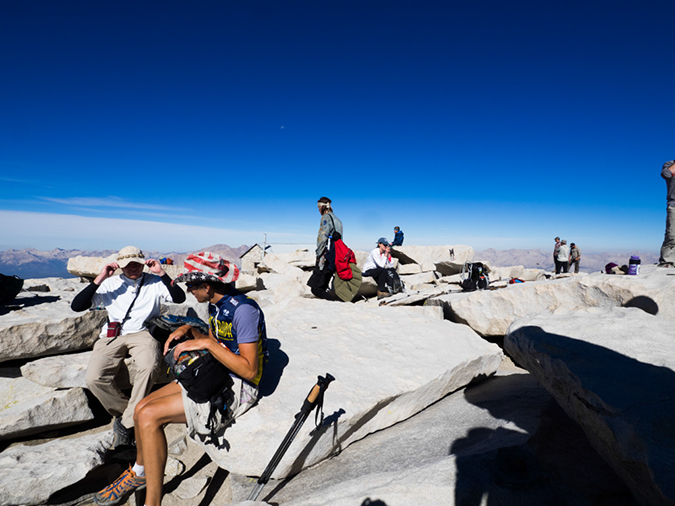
x,y
315,394
321,384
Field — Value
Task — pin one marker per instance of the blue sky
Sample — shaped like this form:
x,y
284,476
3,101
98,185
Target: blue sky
x,y
174,125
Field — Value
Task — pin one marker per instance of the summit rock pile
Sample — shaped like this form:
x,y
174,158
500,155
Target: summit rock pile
x,y
425,409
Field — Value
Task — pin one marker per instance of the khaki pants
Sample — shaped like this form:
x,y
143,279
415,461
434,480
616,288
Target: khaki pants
x,y
105,364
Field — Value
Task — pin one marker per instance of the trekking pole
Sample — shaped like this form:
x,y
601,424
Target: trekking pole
x,y
314,399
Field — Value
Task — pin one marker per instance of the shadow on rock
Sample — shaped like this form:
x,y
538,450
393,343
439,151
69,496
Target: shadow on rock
x,y
625,405
647,304
546,461
274,368
373,502
24,302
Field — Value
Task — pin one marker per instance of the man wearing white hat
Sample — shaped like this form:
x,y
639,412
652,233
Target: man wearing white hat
x,y
131,299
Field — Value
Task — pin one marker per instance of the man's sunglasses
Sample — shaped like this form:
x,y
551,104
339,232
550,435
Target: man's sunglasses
x,y
190,286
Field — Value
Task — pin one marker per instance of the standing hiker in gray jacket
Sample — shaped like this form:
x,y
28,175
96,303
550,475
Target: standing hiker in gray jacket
x,y
329,226
667,258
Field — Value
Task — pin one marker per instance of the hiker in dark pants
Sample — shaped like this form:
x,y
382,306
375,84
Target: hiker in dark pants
x,y
667,256
562,264
329,227
131,299
380,266
575,257
556,249
237,338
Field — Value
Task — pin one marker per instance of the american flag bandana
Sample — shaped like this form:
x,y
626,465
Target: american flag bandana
x,y
207,266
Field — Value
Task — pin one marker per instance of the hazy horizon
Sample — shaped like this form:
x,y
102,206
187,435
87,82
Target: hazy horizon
x,y
492,124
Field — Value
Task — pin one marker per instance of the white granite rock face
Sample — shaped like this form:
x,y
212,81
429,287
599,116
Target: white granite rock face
x,y
28,408
405,269
444,259
475,444
246,282
303,259
62,371
279,289
389,363
29,474
613,371
46,325
55,284
90,267
518,271
368,286
426,295
70,371
491,312
361,257
413,281
280,281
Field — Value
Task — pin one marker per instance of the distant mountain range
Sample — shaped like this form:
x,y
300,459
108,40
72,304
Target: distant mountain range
x,y
32,263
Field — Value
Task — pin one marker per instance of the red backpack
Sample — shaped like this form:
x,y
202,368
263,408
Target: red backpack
x,y
343,257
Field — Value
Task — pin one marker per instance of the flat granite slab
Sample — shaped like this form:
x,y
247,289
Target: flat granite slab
x,y
419,360
490,312
42,324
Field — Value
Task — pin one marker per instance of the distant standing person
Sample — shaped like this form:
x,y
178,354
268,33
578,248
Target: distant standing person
x,y
575,256
131,299
330,227
556,248
667,257
563,257
398,237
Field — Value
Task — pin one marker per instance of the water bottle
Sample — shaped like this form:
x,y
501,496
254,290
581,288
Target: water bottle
x,y
634,265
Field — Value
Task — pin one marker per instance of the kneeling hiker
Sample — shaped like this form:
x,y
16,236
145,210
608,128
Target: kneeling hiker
x,y
380,266
237,339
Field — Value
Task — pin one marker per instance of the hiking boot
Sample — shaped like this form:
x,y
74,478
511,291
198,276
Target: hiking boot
x,y
665,264
119,490
382,295
122,435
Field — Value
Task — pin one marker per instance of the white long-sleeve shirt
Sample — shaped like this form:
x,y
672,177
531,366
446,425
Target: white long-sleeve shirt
x,y
117,293
377,259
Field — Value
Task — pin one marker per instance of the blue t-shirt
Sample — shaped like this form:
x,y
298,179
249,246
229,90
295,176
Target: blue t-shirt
x,y
236,319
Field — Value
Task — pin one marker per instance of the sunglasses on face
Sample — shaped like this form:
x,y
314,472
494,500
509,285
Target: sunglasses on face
x,y
191,286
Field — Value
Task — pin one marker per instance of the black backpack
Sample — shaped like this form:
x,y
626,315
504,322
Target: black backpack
x,y
202,375
474,277
394,283
10,286
204,378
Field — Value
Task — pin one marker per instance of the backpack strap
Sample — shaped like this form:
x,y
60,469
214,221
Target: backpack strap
x,y
138,291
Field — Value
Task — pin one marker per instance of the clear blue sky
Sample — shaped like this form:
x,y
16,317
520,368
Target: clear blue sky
x,y
174,125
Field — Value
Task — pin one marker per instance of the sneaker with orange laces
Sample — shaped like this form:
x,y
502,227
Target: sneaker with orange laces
x,y
120,489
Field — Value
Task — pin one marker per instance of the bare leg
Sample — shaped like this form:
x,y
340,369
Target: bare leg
x,y
152,413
